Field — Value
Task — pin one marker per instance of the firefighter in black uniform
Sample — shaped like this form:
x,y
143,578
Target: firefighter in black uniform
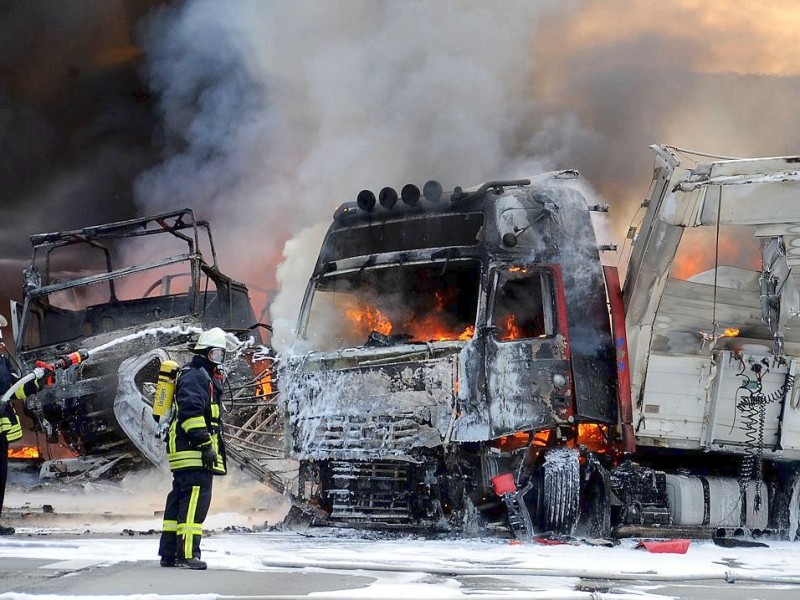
x,y
196,451
10,428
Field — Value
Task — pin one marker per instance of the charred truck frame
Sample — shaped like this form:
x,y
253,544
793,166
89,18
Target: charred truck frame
x,y
460,364
157,301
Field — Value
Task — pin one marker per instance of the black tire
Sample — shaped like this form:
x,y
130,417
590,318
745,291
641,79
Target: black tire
x,y
558,492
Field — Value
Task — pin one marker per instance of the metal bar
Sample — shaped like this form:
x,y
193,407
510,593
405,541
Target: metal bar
x,y
99,278
710,416
787,394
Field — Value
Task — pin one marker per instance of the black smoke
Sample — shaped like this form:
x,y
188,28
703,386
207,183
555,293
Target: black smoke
x,y
76,121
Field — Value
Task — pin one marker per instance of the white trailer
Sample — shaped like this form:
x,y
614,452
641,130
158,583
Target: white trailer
x,y
713,356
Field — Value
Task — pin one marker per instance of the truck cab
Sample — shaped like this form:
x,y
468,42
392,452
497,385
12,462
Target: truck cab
x,y
143,282
446,340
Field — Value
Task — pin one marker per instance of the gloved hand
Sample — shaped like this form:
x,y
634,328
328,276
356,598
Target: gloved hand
x,y
209,456
44,374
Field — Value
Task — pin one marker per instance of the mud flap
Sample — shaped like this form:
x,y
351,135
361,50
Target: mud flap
x,y
519,519
595,501
785,505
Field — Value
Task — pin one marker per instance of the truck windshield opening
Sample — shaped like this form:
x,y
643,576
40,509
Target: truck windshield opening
x,y
395,305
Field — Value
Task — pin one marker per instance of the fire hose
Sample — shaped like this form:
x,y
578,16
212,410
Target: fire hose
x,y
62,362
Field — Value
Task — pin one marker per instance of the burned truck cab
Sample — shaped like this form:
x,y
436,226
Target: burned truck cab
x,y
453,353
143,286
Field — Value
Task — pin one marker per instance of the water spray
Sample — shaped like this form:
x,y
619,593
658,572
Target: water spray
x,y
74,358
79,356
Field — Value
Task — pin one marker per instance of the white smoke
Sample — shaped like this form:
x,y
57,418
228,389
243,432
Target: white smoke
x,y
299,256
276,112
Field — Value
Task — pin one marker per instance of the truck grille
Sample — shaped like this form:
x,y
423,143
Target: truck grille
x,y
365,432
369,492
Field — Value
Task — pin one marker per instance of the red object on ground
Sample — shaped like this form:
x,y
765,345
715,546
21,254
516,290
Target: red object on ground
x,y
549,541
678,546
504,484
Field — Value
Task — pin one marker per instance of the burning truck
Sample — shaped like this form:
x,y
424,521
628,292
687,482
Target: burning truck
x,y
465,361
462,356
143,293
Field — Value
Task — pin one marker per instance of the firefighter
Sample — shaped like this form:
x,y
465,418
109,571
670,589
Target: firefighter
x,y
10,427
196,451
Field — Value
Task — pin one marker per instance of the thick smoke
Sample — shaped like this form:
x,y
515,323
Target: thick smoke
x,y
270,114
75,122
277,112
283,111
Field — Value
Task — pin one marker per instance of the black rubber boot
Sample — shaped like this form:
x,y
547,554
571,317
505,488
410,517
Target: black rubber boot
x,y
191,563
167,561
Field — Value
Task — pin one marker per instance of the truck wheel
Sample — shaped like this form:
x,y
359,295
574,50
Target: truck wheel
x,y
558,492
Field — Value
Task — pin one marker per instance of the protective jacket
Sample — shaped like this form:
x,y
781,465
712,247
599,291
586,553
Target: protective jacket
x,y
10,427
198,421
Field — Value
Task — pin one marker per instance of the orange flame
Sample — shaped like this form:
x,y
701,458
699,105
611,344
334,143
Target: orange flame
x,y
507,443
432,326
730,332
370,319
24,452
264,383
593,436
511,332
697,252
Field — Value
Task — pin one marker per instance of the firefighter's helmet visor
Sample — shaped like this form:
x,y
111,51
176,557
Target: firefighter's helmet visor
x,y
216,355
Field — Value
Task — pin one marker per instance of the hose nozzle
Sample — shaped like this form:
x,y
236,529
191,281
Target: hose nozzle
x,y
73,358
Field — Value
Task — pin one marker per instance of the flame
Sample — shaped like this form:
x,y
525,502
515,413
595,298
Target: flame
x,y
512,332
542,438
697,250
264,383
730,332
24,452
368,318
507,443
433,326
593,436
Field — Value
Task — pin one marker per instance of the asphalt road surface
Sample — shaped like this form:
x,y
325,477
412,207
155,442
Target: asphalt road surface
x,y
92,577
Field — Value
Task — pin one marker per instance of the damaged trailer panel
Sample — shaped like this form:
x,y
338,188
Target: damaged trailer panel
x,y
445,344
714,350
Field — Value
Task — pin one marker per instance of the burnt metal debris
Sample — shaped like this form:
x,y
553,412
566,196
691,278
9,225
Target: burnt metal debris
x,y
461,329
144,292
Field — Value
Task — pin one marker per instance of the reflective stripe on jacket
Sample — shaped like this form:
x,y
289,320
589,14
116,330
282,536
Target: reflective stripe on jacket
x,y
10,426
198,421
